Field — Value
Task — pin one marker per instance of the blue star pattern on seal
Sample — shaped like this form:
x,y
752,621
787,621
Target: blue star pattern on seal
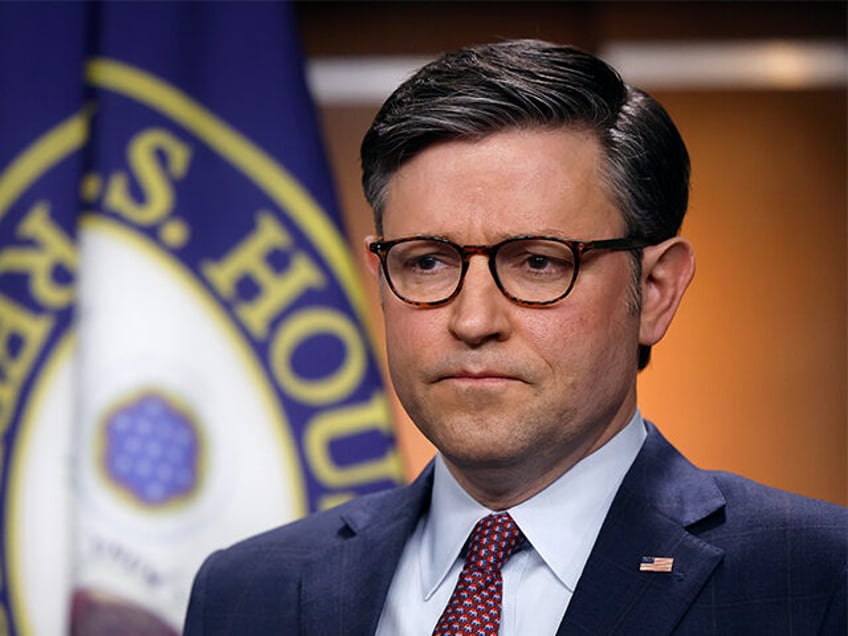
x,y
152,450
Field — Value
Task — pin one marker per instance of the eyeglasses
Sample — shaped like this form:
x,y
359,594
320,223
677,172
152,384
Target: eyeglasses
x,y
532,271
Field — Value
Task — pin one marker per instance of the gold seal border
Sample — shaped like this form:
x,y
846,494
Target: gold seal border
x,y
245,156
270,176
44,152
41,154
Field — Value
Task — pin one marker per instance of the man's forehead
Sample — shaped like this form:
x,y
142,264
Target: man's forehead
x,y
580,132
516,147
516,182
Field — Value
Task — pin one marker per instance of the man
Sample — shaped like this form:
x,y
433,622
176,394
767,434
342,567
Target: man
x,y
527,204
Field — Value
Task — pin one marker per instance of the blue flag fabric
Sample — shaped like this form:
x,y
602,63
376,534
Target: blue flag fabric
x,y
182,353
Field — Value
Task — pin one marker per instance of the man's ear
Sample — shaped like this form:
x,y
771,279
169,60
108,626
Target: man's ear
x,y
667,270
371,259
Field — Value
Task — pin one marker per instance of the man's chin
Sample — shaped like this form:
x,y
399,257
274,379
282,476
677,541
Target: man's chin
x,y
465,455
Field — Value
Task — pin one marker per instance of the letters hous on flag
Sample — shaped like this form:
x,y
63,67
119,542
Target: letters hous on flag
x,y
182,357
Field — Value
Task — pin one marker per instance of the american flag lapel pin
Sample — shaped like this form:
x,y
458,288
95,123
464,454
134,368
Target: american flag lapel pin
x,y
656,564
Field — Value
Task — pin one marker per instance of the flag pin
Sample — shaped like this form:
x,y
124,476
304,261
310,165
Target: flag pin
x,y
656,564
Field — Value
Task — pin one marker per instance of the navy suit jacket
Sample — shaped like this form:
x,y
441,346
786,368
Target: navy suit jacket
x,y
748,560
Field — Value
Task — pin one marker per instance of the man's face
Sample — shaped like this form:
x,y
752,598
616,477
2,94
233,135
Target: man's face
x,y
495,386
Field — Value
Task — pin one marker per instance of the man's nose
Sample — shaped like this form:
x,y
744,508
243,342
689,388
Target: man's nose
x,y
480,312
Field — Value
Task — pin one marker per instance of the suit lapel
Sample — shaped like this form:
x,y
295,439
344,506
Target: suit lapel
x,y
659,498
344,588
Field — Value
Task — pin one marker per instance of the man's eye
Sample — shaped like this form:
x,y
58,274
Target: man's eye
x,y
429,263
544,263
547,265
538,262
426,263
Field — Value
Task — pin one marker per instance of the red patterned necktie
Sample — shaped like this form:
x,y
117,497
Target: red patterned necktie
x,y
475,605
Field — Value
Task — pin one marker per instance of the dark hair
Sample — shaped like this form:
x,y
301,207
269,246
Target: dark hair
x,y
480,90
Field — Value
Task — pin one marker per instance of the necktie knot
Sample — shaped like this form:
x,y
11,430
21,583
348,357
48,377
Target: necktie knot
x,y
474,607
492,541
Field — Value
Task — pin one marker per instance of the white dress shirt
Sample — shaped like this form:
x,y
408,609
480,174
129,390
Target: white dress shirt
x,y
561,525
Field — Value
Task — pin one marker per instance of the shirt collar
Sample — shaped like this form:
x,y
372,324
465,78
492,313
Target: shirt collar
x,y
561,523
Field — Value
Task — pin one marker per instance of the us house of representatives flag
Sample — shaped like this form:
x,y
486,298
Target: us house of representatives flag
x,y
182,354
